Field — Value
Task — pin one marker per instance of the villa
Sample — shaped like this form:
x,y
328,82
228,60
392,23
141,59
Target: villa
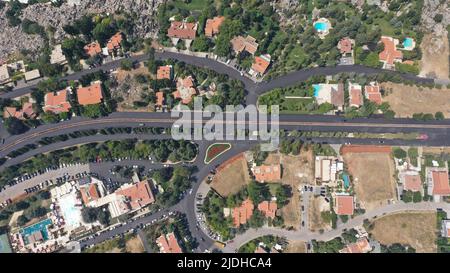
x,y
360,246
168,244
243,213
355,95
185,90
164,72
57,56
182,30
412,182
345,46
32,75
114,43
260,65
159,99
390,55
247,44
344,205
322,27
326,168
330,93
267,173
213,26
437,182
57,102
372,92
4,74
269,209
89,95
92,49
24,113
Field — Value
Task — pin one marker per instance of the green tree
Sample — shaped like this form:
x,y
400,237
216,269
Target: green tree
x,y
15,126
439,116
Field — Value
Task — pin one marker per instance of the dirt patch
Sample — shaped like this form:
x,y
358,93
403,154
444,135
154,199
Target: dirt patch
x,y
316,206
436,150
417,229
365,149
406,100
296,247
231,176
134,245
435,51
373,177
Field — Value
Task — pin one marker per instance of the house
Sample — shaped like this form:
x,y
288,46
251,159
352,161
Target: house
x,y
137,195
437,181
344,205
57,102
114,43
4,74
345,46
241,44
390,54
168,244
412,182
330,93
260,65
265,173
242,213
360,246
213,25
182,30
32,75
355,95
372,93
326,168
25,112
89,192
57,56
159,99
93,49
164,72
92,94
269,209
445,228
185,90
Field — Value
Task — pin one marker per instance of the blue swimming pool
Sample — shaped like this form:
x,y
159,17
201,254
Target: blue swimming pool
x,y
408,42
346,179
316,90
41,226
320,26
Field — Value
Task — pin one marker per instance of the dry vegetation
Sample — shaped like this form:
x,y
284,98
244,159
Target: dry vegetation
x,y
417,229
296,247
435,52
232,177
316,206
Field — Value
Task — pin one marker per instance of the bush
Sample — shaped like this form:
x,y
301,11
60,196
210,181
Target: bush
x,y
399,153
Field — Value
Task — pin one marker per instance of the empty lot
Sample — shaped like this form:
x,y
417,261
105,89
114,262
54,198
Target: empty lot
x,y
373,178
417,229
435,51
231,176
316,207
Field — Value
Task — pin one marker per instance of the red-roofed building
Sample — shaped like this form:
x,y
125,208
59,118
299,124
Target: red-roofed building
x,y
372,93
345,45
267,173
92,94
114,42
182,30
344,205
240,44
159,99
360,246
25,112
93,49
412,182
243,213
439,182
185,90
168,244
213,25
355,95
89,193
269,209
164,72
57,102
260,65
390,54
137,195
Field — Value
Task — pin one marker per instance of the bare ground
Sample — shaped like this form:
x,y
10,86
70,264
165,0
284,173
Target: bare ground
x,y
296,247
316,206
134,245
435,52
231,178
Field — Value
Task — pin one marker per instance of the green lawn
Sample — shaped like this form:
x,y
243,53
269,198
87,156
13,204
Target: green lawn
x,y
295,58
193,5
386,28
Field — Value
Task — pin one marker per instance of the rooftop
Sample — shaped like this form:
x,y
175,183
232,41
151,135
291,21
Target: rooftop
x,y
412,182
390,54
344,205
57,56
356,98
213,25
345,45
93,49
182,30
168,244
261,63
360,246
372,93
441,184
89,193
138,195
267,173
56,102
185,89
114,41
248,44
91,94
243,213
32,74
269,209
159,98
164,72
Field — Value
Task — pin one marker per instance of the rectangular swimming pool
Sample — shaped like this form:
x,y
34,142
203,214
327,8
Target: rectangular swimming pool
x,y
41,226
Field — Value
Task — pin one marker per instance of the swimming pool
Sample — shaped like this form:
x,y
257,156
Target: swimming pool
x,y
316,90
408,42
346,179
320,26
41,226
71,213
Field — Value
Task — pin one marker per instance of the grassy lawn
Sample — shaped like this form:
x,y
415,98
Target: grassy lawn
x,y
193,5
386,28
295,58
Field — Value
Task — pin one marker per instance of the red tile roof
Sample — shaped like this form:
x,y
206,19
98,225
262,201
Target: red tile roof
x,y
360,246
345,45
248,44
89,193
26,111
267,173
269,209
182,30
344,205
92,49
356,98
114,41
185,90
372,93
441,184
159,98
139,195
213,25
261,64
243,213
56,102
390,54
168,244
90,94
412,182
164,72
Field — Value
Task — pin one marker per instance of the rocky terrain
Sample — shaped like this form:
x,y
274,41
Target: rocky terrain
x,y
13,39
